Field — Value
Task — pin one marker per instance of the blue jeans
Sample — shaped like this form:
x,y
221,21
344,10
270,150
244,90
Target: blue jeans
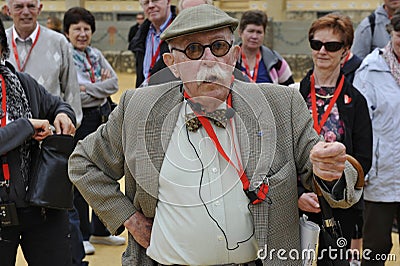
x,y
77,250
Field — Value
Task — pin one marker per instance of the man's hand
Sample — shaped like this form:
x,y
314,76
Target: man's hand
x,y
309,202
64,125
42,128
328,160
140,227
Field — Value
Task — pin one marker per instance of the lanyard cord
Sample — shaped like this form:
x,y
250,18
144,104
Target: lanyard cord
x,y
318,126
253,78
157,53
6,170
14,46
91,72
211,133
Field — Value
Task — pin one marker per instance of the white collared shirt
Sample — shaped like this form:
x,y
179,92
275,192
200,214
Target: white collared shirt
x,y
31,37
183,232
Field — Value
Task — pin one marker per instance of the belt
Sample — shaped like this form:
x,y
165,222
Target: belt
x,y
87,110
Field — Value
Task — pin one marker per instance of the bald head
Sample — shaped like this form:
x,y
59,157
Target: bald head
x,y
183,4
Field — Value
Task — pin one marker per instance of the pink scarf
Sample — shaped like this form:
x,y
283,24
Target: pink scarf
x,y
392,61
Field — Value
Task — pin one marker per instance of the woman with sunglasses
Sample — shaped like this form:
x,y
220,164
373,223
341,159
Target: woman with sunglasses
x,y
339,111
258,63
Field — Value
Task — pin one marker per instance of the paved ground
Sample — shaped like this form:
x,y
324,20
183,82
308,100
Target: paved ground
x,y
111,256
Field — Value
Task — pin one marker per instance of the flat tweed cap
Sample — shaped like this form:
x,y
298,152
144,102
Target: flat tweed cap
x,y
198,19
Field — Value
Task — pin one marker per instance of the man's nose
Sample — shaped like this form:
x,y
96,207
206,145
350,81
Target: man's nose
x,y
208,55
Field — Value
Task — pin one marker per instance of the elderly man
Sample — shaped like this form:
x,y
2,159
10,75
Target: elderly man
x,y
183,4
43,53
147,45
207,191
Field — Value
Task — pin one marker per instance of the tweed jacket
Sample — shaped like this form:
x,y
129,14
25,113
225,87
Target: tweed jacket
x,y
275,135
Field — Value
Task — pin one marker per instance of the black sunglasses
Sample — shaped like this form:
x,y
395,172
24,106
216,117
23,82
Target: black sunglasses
x,y
329,46
195,51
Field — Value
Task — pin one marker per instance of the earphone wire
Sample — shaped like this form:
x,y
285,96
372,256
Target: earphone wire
x,y
204,204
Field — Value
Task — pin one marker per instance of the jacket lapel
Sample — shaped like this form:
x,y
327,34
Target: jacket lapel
x,y
256,130
158,128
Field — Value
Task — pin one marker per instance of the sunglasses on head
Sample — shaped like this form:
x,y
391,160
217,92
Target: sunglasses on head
x,y
329,46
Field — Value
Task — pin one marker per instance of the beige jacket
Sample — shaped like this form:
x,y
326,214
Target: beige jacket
x,y
275,133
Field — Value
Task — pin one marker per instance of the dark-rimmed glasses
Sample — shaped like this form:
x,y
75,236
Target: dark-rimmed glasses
x,y
195,51
329,46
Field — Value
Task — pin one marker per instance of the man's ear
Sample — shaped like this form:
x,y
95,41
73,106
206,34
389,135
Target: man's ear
x,y
169,61
235,53
40,8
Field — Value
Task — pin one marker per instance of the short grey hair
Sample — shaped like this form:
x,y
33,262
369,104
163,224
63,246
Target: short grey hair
x,y
8,2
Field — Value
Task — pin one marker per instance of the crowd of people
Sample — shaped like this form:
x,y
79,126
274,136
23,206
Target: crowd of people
x,y
219,152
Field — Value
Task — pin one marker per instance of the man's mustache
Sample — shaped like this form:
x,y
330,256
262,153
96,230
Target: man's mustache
x,y
211,74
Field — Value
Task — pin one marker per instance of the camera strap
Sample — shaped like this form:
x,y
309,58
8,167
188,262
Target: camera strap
x,y
6,171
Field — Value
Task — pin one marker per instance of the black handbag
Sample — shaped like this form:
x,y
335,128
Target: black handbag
x,y
50,186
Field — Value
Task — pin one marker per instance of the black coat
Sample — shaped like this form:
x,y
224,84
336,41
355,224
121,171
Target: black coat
x,y
138,46
355,115
43,106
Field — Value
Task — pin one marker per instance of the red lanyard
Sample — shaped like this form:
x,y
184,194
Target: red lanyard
x,y
155,56
318,126
253,78
91,73
263,189
14,45
6,170
157,53
211,133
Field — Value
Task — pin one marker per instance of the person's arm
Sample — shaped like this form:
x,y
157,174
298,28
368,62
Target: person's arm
x,y
14,134
105,87
362,133
362,39
285,76
51,109
96,165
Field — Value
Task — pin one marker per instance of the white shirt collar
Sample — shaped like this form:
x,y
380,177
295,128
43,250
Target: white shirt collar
x,y
32,36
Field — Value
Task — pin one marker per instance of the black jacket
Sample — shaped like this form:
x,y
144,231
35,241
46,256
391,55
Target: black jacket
x,y
358,128
355,115
43,106
138,46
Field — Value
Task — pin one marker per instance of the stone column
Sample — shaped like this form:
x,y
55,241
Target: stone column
x,y
72,3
